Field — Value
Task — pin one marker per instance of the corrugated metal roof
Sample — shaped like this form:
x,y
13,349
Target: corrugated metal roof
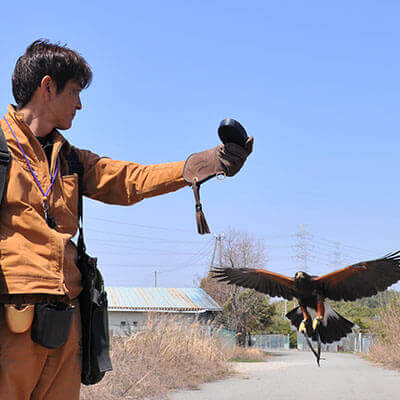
x,y
160,299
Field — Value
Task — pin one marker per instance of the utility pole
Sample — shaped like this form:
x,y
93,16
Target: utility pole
x,y
220,249
218,243
155,278
213,254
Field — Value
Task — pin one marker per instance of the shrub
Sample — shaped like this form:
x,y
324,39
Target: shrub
x,y
386,349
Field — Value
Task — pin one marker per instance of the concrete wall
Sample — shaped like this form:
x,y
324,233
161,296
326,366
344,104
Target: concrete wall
x,y
123,323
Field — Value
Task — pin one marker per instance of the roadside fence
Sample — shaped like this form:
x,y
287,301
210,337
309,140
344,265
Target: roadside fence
x,y
270,342
354,342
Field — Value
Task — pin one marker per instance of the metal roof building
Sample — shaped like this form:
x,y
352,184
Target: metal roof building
x,y
183,300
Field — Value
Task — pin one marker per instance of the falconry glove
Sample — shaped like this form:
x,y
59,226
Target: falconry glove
x,y
224,160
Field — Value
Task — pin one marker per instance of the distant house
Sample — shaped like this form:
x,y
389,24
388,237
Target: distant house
x,y
129,307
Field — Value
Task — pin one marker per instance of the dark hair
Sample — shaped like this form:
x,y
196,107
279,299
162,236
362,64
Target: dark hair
x,y
42,58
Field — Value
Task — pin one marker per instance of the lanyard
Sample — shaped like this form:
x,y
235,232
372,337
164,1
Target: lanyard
x,y
50,220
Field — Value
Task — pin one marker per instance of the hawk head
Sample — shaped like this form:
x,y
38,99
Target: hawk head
x,y
301,275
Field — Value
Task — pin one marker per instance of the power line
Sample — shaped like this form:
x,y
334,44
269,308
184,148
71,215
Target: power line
x,y
312,251
141,237
139,225
331,246
143,266
192,261
276,236
149,252
203,253
333,243
326,241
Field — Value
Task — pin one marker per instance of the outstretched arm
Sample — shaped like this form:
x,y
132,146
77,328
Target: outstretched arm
x,y
125,183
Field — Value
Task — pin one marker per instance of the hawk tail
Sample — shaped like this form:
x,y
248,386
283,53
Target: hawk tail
x,y
333,327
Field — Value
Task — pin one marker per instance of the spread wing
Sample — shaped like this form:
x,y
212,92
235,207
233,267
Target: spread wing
x,y
259,279
361,280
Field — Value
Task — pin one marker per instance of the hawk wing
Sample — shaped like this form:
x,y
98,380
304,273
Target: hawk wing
x,y
259,279
361,280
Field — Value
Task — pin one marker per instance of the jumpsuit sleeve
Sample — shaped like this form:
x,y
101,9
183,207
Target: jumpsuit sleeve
x,y
126,183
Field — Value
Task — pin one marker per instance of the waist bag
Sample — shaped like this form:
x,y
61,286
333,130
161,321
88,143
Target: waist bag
x,y
93,299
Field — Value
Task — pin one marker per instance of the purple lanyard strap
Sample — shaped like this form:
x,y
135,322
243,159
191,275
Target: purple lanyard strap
x,y
45,194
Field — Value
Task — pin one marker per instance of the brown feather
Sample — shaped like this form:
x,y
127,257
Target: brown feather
x,y
361,280
259,279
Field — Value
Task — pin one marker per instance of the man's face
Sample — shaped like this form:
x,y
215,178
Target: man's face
x,y
63,105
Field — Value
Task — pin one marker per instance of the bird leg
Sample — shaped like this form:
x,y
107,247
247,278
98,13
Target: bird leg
x,y
302,327
320,313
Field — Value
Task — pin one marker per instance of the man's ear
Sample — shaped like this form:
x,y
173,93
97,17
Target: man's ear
x,y
48,87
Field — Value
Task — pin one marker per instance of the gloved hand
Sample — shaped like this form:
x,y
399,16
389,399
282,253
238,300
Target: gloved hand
x,y
225,159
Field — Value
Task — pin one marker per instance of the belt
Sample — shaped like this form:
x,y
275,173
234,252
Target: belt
x,y
32,298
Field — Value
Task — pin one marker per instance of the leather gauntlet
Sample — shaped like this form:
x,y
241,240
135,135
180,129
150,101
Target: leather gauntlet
x,y
223,160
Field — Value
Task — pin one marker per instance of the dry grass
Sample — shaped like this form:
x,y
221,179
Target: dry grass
x,y
242,354
386,350
166,355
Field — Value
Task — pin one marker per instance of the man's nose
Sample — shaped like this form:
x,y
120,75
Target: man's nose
x,y
79,104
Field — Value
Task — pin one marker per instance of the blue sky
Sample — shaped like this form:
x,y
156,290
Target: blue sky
x,y
316,84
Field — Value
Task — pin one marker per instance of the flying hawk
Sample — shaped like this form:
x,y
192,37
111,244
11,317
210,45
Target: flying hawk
x,y
350,283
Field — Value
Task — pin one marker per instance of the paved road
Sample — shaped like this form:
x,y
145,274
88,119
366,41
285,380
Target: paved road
x,y
295,376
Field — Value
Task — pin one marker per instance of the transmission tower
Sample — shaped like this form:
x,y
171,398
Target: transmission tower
x,y
303,247
337,256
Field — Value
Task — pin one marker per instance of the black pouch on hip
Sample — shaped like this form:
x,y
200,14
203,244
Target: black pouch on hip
x,y
51,324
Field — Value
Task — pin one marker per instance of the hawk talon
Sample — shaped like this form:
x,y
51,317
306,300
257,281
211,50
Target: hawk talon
x,y
316,322
302,327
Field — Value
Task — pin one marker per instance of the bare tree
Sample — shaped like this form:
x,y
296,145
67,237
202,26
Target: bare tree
x,y
245,310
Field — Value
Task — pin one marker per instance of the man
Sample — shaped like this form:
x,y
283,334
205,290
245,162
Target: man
x,y
39,215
